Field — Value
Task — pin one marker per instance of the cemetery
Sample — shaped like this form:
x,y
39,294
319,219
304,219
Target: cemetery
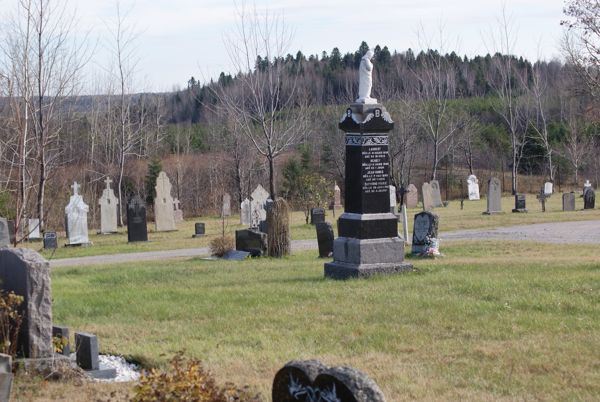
x,y
359,251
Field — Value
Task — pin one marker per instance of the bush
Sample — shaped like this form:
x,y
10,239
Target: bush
x,y
10,322
219,246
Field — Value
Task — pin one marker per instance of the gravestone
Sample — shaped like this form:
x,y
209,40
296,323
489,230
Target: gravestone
x,y
177,212
412,196
425,233
586,185
436,195
312,381
27,273
548,188
568,201
235,255
164,218
4,233
368,241
393,199
589,199
199,229
427,197
520,203
252,241
137,229
325,239
33,230
494,197
473,187
317,215
76,219
336,203
245,212
86,349
6,377
109,205
50,240
259,203
226,207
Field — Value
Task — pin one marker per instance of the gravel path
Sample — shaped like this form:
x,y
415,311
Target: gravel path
x,y
557,232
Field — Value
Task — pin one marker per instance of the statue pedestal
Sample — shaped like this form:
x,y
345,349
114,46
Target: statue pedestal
x,y
368,241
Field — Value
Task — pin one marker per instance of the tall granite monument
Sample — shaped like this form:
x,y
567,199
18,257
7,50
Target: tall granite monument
x,y
368,241
164,217
108,209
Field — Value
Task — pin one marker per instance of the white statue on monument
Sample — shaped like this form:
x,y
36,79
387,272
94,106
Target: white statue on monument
x,y
365,79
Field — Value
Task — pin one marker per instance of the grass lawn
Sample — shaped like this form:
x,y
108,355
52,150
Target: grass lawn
x,y
451,218
490,320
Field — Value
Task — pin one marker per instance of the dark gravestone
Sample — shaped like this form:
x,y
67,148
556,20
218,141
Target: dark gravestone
x,y
520,203
309,381
86,349
62,333
425,229
236,255
317,215
27,273
199,229
568,202
4,233
589,199
50,240
325,239
137,229
252,241
368,241
12,231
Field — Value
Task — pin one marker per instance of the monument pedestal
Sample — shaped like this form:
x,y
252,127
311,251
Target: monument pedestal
x,y
368,241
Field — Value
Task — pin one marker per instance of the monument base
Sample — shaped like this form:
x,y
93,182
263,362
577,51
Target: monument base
x,y
492,213
520,210
88,244
359,258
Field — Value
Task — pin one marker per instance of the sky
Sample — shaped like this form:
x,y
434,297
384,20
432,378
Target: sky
x,y
178,39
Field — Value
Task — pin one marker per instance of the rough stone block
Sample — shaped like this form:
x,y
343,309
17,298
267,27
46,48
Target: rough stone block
x,y
86,346
251,241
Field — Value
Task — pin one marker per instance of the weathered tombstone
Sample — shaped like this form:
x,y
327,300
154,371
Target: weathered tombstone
x,y
494,197
109,205
76,219
252,241
317,215
427,197
137,229
86,349
259,204
311,380
336,203
425,234
542,196
412,196
177,212
6,377
4,233
27,274
164,218
586,185
50,240
325,239
473,187
392,199
548,188
33,230
436,195
520,203
568,201
589,199
62,333
199,229
245,212
226,207
368,241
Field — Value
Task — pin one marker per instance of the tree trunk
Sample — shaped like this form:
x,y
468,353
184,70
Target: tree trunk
x,y
272,176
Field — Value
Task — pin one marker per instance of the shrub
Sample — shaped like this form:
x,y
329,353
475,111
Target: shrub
x,y
10,322
219,246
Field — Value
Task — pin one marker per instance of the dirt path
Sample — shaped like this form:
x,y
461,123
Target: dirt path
x,y
557,232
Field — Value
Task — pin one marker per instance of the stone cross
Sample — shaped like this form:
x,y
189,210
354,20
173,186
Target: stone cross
x,y
176,203
75,188
108,181
542,196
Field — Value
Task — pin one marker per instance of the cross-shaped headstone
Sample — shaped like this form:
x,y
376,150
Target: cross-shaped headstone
x,y
75,188
176,204
542,196
108,181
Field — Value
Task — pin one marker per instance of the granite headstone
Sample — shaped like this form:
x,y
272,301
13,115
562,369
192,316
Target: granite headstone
x,y
548,188
4,233
33,232
226,207
259,204
589,199
436,194
427,197
494,197
425,232
252,241
164,217
336,202
317,215
568,201
50,240
520,203
137,229
245,212
109,205
412,196
325,239
199,229
177,212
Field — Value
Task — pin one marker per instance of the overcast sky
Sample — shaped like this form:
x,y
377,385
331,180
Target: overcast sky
x,y
183,38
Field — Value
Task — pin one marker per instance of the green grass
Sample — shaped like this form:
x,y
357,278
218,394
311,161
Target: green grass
x,y
488,321
451,218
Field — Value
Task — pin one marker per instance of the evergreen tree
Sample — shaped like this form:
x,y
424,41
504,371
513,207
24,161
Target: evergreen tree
x,y
154,168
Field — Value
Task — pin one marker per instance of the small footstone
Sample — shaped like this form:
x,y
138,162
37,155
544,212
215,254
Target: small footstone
x,y
86,346
6,377
63,333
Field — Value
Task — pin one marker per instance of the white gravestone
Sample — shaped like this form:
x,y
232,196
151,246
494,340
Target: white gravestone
x,y
494,196
245,212
164,217
473,187
108,209
177,212
436,194
548,188
226,208
259,203
393,199
33,232
76,218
